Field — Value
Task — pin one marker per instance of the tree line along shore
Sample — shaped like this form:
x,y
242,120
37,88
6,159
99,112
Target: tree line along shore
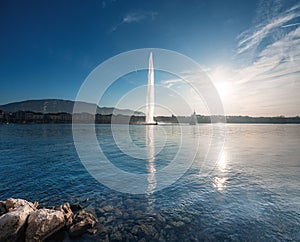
x,y
29,117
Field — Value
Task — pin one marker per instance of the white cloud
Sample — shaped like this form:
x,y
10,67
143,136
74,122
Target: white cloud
x,y
135,17
280,58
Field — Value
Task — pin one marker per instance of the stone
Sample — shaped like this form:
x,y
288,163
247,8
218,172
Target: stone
x,y
135,229
12,203
12,223
150,219
76,207
118,212
161,218
109,219
148,229
186,220
102,204
161,238
117,236
101,229
79,229
108,208
85,215
83,221
101,210
2,208
66,210
43,223
129,201
138,214
101,219
168,226
68,214
92,231
178,224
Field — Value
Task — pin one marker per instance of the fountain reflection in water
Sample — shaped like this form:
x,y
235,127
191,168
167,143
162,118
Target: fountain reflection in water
x,y
150,165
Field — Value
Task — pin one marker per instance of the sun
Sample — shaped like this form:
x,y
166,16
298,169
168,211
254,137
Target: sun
x,y
223,90
221,78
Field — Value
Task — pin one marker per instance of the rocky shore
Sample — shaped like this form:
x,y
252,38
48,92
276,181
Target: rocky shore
x,y
21,220
111,218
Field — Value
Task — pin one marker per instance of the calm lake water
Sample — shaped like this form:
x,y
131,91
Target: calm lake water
x,y
248,190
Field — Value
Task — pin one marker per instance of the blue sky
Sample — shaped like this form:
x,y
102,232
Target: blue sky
x,y
250,49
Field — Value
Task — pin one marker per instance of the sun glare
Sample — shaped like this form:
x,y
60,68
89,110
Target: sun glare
x,y
221,78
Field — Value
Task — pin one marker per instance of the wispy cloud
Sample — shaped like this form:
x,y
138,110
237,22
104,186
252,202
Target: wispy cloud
x,y
171,82
249,40
290,25
106,3
280,55
135,17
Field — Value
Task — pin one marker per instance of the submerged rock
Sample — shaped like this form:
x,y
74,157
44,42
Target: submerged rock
x,y
108,208
83,221
148,229
109,219
135,229
118,212
12,223
177,223
43,223
117,236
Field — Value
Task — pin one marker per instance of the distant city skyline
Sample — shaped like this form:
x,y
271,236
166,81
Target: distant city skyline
x,y
250,50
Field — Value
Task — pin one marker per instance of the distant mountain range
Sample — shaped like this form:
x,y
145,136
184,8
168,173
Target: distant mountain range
x,y
62,106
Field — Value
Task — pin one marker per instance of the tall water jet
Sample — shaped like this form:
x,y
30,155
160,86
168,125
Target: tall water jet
x,y
150,94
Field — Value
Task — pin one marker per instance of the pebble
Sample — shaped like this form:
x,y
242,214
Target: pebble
x,y
116,236
101,219
108,208
135,229
178,224
101,210
118,212
109,219
161,218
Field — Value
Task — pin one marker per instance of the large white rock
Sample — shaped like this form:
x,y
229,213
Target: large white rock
x,y
12,223
43,223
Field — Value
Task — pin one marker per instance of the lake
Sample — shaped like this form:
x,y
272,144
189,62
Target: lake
x,y
237,182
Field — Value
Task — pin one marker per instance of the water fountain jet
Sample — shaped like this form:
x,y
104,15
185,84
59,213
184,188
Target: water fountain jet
x,y
150,94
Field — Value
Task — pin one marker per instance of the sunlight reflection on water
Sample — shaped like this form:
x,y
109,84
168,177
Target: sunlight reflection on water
x,y
220,182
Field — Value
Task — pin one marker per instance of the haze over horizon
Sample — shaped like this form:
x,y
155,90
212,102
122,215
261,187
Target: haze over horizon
x,y
250,49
